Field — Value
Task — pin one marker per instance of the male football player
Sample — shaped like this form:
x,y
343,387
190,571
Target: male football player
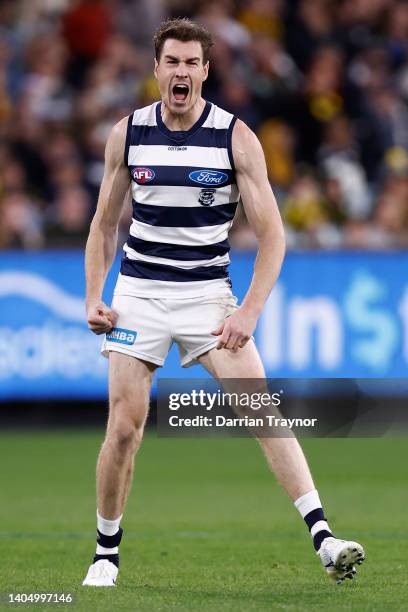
x,y
187,163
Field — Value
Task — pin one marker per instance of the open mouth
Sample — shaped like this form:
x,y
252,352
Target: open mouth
x,y
180,92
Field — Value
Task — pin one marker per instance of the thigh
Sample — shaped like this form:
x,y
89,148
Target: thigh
x,y
242,363
243,375
130,381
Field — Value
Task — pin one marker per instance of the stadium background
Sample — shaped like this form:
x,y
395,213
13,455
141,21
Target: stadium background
x,y
324,84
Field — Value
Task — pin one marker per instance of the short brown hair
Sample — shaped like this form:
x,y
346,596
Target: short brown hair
x,y
183,30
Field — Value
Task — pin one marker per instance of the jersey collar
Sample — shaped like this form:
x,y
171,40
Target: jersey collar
x,y
181,136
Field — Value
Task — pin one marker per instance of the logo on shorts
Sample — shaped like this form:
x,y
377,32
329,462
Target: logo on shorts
x,y
206,197
122,336
208,177
142,175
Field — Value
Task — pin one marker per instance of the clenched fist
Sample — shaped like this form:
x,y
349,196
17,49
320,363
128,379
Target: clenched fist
x,y
100,317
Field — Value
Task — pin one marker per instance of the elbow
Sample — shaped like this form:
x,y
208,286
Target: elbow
x,y
103,225
281,244
283,241
275,236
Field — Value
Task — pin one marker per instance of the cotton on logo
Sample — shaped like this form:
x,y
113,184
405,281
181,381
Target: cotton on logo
x,y
143,175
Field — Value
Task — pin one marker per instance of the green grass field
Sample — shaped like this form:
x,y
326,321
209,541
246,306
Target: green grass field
x,y
206,527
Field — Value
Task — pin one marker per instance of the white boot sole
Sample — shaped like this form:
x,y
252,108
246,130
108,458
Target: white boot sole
x,y
349,555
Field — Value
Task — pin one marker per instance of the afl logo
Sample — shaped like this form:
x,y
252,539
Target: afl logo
x,y
208,177
143,175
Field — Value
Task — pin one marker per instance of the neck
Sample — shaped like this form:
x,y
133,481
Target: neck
x,y
184,122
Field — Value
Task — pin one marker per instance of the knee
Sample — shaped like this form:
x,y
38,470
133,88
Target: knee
x,y
125,435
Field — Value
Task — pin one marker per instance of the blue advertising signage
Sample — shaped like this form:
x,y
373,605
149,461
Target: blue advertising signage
x,y
330,315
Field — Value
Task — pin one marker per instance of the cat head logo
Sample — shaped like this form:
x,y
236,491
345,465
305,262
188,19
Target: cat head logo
x,y
206,197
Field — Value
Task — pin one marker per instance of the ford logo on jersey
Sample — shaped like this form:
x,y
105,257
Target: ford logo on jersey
x,y
208,177
143,175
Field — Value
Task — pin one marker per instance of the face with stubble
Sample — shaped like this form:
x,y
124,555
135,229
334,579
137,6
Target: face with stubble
x,y
180,73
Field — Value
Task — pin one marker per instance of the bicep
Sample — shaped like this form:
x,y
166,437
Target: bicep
x,y
252,179
116,180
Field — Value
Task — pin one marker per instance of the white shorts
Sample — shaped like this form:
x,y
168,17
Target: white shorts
x,y
146,328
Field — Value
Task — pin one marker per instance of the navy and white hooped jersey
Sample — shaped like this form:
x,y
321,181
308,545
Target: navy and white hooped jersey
x,y
184,198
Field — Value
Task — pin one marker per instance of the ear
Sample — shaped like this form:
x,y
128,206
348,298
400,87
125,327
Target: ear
x,y
156,65
205,69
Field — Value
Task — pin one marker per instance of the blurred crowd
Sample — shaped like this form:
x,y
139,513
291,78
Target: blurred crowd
x,y
323,83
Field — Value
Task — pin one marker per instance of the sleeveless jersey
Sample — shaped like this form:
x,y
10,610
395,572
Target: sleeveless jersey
x,y
184,198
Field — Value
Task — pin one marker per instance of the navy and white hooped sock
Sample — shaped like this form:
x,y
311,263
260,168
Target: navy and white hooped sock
x,y
109,535
310,507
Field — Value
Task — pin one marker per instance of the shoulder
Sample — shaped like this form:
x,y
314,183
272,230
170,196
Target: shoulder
x,y
119,129
243,135
116,142
246,147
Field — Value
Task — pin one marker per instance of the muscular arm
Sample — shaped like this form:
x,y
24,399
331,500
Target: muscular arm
x,y
264,218
102,240
262,214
